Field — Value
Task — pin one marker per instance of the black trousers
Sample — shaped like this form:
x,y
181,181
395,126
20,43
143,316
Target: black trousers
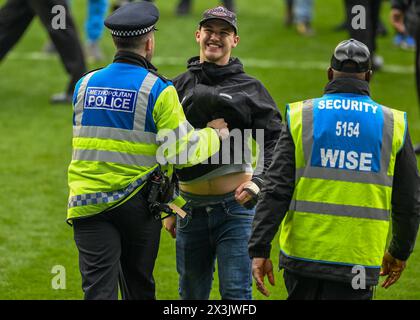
x,y
368,35
15,17
119,245
304,288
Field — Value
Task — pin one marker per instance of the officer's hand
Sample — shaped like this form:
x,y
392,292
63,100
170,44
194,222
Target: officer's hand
x,y
243,196
260,268
170,225
217,124
397,20
392,268
220,126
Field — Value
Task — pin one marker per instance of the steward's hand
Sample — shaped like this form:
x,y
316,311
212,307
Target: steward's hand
x,y
260,268
170,225
392,268
397,20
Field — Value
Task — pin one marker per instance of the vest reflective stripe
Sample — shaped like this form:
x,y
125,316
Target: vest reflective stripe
x,y
115,134
143,101
115,157
106,197
307,128
294,117
354,176
81,95
339,210
333,191
337,215
400,127
184,134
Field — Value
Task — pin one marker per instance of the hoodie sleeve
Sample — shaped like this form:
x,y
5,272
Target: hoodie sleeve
x,y
266,124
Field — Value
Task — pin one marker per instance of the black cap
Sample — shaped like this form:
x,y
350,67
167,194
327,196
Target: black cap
x,y
354,52
220,13
133,19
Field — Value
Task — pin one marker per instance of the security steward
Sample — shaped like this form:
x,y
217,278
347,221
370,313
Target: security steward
x,y
120,113
343,167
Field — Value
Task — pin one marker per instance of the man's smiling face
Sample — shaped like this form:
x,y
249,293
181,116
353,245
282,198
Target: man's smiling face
x,y
216,38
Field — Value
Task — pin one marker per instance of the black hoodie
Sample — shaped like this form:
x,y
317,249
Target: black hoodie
x,y
208,91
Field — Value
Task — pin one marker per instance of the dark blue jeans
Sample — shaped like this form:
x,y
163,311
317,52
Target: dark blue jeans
x,y
217,227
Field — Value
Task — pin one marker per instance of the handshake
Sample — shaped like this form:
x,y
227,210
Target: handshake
x,y
220,126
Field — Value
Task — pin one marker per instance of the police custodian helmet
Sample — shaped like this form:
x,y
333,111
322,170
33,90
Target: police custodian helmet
x,y
351,56
133,19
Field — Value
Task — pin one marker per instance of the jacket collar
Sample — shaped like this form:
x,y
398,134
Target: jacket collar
x,y
348,85
210,73
133,58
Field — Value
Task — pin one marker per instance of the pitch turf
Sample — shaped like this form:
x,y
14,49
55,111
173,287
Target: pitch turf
x,y
35,143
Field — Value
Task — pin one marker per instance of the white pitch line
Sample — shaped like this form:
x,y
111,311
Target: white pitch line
x,y
248,62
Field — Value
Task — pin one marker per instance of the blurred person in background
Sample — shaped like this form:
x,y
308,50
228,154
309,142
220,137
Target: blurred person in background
x,y
118,3
15,18
367,35
94,27
381,30
407,40
398,13
184,6
300,12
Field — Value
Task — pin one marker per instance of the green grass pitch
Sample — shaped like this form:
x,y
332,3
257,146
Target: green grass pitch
x,y
35,137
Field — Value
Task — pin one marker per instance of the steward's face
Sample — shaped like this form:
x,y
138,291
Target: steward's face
x,y
216,39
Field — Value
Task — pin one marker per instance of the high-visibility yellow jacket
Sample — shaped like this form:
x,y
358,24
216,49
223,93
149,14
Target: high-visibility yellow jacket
x,y
122,115
345,151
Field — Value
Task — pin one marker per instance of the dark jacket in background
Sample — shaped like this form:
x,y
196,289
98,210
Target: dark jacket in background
x,y
208,91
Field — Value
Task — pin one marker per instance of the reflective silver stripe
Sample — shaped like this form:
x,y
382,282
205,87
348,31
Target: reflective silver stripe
x,y
114,133
107,197
183,129
307,129
117,157
339,210
345,175
81,94
387,135
143,100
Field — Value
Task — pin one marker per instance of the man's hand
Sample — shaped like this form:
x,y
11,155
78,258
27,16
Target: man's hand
x,y
242,196
392,268
170,225
397,20
220,126
260,268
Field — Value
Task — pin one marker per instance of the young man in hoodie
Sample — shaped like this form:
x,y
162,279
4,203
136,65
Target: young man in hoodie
x,y
222,194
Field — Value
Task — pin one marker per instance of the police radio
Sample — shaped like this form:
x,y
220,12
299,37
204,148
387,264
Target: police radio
x,y
158,186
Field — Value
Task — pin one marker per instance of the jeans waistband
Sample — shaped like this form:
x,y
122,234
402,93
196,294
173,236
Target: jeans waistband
x,y
195,200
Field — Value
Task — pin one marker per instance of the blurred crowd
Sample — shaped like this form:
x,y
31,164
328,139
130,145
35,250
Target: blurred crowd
x,y
297,13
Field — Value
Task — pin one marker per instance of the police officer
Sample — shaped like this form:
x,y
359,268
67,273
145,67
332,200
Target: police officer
x,y
342,162
122,114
